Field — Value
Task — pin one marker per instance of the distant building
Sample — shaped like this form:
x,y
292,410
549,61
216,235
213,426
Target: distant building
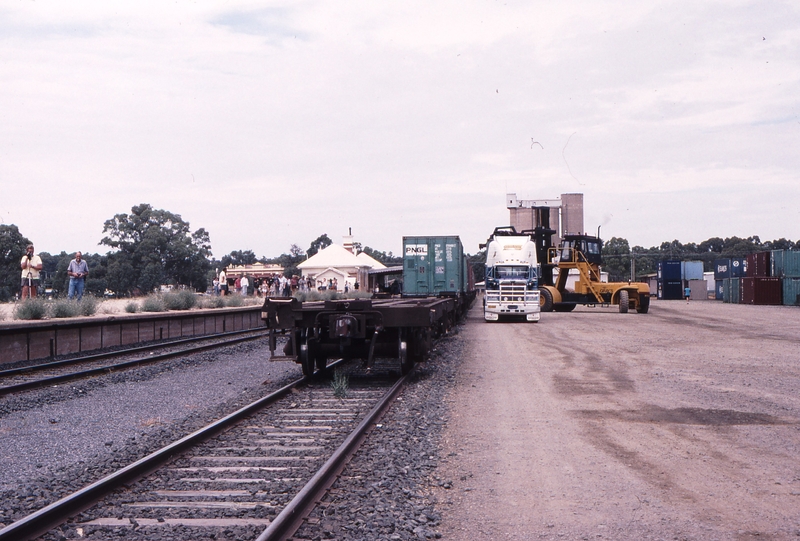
x,y
256,270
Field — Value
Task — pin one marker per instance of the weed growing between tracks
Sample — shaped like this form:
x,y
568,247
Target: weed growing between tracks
x,y
340,384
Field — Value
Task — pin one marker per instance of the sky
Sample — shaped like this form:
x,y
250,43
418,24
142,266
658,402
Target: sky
x,y
270,123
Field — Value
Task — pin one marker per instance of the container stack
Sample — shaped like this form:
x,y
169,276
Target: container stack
x,y
758,287
728,274
670,283
786,267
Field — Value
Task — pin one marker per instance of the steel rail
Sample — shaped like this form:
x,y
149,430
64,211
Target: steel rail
x,y
126,351
60,511
8,389
291,518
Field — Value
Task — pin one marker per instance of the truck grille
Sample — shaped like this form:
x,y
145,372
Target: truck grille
x,y
516,293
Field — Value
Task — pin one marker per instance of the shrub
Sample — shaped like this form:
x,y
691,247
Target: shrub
x,y
213,302
132,307
35,308
180,300
153,303
234,300
64,308
87,306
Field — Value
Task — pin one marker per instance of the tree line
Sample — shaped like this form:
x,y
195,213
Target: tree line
x,y
147,248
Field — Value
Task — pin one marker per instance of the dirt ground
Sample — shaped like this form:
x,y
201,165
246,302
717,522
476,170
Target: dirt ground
x,y
683,423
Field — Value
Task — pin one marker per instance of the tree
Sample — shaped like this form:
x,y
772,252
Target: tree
x,y
616,259
323,241
154,247
238,257
387,258
12,248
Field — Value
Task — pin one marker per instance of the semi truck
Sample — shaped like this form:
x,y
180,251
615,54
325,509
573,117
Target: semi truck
x,y
512,276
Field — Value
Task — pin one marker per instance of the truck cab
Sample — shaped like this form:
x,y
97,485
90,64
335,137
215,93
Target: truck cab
x,y
512,277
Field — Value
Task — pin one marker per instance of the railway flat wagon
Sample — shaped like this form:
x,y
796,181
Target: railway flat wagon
x,y
401,328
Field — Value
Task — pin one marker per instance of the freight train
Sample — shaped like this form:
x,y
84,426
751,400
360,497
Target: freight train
x,y
438,289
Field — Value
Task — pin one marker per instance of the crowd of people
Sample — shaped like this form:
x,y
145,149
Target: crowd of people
x,y
31,265
274,285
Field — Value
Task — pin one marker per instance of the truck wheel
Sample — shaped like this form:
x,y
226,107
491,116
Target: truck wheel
x,y
545,300
644,304
623,302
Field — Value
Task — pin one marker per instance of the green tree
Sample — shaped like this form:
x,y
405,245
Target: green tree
x,y
12,248
238,257
323,241
154,247
387,258
617,259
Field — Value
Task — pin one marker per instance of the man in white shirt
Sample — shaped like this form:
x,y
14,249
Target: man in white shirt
x,y
31,264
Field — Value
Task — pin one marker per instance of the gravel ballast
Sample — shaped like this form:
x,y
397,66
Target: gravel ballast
x,y
56,440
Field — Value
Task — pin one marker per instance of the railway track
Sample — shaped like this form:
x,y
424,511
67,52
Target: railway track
x,y
54,372
251,475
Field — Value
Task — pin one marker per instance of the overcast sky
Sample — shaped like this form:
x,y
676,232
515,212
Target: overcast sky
x,y
269,123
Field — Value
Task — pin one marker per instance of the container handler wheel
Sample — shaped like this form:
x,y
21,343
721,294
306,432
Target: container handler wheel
x,y
644,303
545,300
623,301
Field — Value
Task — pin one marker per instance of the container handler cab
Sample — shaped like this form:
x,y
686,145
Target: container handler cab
x,y
583,253
512,276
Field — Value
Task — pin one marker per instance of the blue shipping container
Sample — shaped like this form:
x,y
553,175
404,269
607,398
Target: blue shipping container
x,y
722,269
738,267
718,290
669,270
670,290
776,264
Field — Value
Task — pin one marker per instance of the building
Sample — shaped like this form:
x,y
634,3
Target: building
x,y
340,263
564,214
256,270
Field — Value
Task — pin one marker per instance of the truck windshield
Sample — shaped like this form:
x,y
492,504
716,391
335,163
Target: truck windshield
x,y
512,272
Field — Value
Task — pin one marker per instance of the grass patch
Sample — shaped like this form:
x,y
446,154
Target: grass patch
x,y
153,303
132,307
180,300
340,384
35,308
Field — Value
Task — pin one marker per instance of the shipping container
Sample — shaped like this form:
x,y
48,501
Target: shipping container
x,y
738,267
669,270
698,290
776,263
748,290
732,292
791,291
670,290
718,290
758,264
722,269
433,266
768,290
691,270
791,263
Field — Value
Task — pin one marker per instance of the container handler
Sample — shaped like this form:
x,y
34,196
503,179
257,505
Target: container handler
x,y
584,253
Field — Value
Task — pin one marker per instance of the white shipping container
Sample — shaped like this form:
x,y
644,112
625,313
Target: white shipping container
x,y
691,270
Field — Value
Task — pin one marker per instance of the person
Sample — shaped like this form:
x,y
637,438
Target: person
x,y
244,284
77,271
237,284
216,286
30,264
223,283
687,292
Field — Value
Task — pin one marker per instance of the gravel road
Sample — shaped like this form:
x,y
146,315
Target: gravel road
x,y
680,424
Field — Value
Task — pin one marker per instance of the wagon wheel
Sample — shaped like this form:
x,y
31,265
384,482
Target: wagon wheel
x,y
306,360
406,362
320,359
